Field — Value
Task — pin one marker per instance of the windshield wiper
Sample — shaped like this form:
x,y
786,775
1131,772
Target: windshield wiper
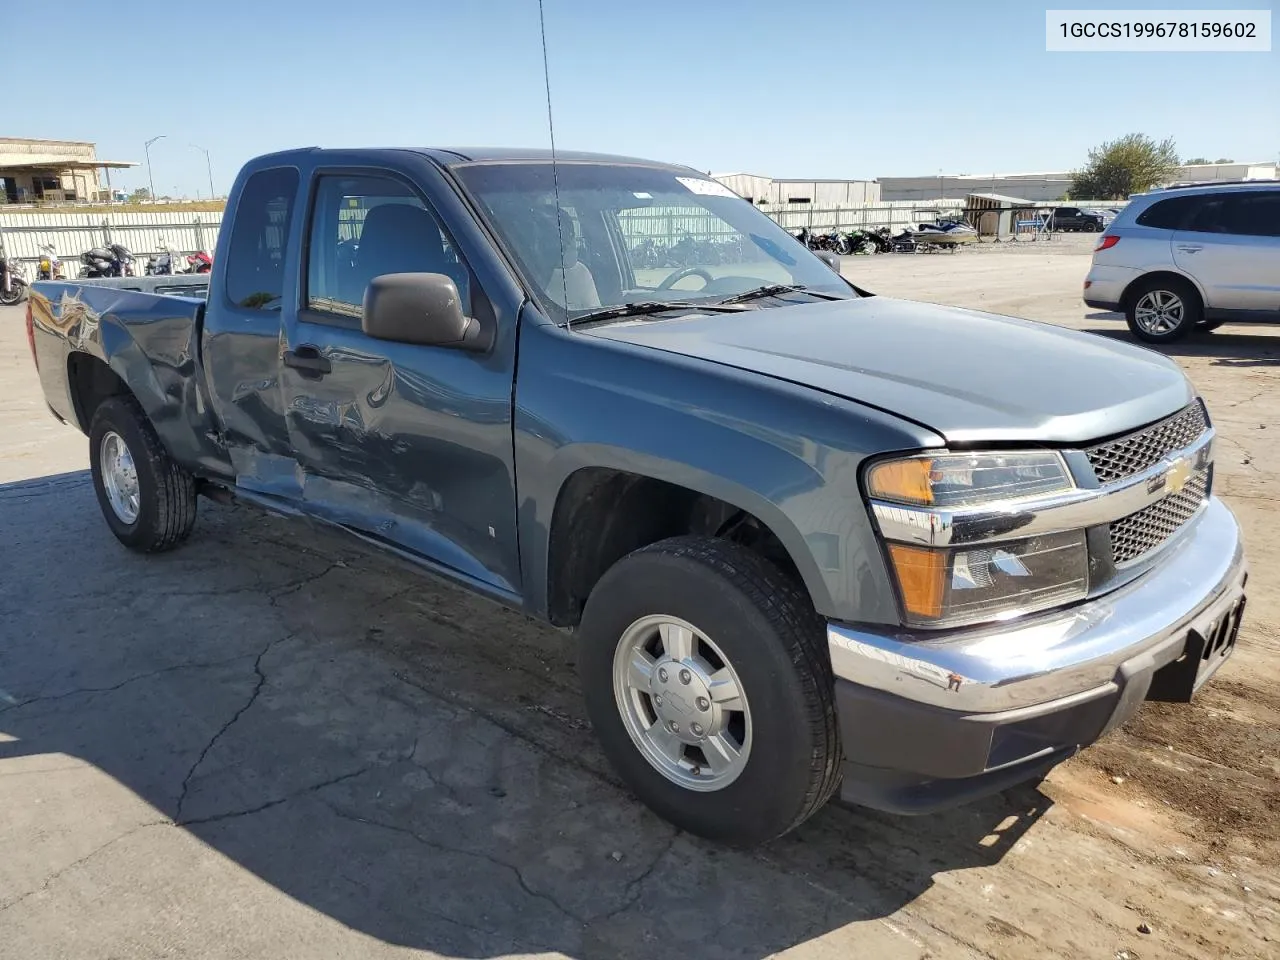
x,y
644,307
776,289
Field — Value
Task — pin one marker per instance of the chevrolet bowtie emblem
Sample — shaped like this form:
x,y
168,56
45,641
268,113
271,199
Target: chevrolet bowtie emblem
x,y
1178,475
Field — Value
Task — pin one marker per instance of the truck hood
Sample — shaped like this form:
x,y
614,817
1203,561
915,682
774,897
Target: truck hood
x,y
969,376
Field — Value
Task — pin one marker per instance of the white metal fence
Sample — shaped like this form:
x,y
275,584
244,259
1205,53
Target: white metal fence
x,y
71,234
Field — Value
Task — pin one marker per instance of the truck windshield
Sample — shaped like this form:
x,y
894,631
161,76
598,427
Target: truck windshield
x,y
630,233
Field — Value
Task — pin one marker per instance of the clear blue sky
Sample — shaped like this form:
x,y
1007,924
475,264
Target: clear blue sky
x,y
800,88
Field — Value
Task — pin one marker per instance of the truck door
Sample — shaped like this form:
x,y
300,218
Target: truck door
x,y
1232,246
410,444
241,345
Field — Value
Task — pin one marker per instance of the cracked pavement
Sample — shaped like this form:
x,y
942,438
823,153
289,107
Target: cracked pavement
x,y
272,742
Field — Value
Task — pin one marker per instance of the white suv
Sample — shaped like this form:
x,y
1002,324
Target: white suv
x,y
1187,257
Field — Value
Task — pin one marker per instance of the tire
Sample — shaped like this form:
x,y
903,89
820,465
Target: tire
x,y
162,510
1162,309
17,290
744,612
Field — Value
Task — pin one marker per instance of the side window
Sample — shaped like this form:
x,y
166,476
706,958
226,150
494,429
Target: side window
x,y
260,239
1168,214
1206,215
1252,214
365,226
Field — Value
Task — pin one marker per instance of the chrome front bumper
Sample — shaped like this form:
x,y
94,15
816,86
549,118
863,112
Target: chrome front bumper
x,y
1075,653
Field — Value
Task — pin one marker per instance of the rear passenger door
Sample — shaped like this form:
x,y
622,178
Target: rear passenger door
x,y
1231,245
410,444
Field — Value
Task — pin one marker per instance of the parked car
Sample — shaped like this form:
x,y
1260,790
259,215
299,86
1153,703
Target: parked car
x,y
809,538
1074,219
1191,258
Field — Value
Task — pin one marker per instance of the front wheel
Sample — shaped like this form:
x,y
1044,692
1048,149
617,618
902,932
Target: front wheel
x,y
147,499
17,290
707,680
1162,310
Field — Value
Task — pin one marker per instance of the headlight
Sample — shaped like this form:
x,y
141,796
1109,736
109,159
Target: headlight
x,y
952,586
948,588
965,479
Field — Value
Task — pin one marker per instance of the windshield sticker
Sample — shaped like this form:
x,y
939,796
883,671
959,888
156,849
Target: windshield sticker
x,y
641,195
706,188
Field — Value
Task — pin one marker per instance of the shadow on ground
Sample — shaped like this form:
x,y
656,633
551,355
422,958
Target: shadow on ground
x,y
406,759
1229,346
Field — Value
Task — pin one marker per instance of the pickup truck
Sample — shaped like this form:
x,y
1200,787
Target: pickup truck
x,y
810,539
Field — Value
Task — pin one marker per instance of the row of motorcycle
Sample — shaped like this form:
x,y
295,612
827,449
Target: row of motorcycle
x,y
945,232
113,260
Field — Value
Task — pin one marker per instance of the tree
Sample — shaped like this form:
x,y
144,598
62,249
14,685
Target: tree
x,y
1224,160
142,193
1132,164
1196,160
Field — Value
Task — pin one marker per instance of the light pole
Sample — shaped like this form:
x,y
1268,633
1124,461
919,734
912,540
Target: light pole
x,y
208,165
151,180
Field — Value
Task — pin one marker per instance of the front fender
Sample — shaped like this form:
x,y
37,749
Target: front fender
x,y
787,454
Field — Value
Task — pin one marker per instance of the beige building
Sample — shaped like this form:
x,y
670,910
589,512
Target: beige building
x,y
54,171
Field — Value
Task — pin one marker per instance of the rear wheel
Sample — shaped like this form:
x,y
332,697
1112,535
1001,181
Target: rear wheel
x,y
1162,310
707,680
147,499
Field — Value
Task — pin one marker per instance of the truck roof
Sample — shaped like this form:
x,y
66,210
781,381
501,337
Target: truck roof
x,y
452,156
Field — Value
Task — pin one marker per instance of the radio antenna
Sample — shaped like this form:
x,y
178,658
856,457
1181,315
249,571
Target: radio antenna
x,y
555,177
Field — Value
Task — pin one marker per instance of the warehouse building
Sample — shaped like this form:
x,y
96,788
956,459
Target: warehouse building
x,y
819,193
1047,187
54,171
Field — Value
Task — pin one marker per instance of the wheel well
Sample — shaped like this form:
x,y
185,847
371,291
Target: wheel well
x,y
601,515
1126,299
91,382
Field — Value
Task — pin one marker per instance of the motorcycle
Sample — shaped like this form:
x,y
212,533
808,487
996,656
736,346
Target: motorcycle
x,y
13,285
825,241
199,262
162,263
857,242
111,261
49,267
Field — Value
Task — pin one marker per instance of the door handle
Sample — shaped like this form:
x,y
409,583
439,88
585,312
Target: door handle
x,y
1190,248
307,359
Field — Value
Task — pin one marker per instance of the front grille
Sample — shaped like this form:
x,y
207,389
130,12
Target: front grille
x,y
1122,458
1139,533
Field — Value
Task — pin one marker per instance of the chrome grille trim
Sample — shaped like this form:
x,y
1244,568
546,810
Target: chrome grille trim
x,y
1135,536
1121,458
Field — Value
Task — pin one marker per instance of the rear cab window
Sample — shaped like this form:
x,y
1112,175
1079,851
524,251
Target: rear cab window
x,y
260,239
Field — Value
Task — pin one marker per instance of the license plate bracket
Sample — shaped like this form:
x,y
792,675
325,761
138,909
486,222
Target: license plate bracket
x,y
1209,643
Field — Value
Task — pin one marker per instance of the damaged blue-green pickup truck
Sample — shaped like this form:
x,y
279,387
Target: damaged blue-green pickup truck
x,y
810,539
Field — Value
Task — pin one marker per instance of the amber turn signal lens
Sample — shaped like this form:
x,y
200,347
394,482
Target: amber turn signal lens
x,y
922,577
905,481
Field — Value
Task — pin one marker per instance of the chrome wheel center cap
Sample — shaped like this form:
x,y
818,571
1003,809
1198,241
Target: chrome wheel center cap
x,y
682,700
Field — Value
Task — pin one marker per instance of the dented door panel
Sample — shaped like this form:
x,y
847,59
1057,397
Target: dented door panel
x,y
411,444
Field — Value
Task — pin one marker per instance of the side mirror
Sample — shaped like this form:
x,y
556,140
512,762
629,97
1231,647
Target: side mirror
x,y
832,260
422,308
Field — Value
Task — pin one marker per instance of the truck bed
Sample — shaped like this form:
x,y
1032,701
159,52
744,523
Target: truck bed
x,y
177,284
92,336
